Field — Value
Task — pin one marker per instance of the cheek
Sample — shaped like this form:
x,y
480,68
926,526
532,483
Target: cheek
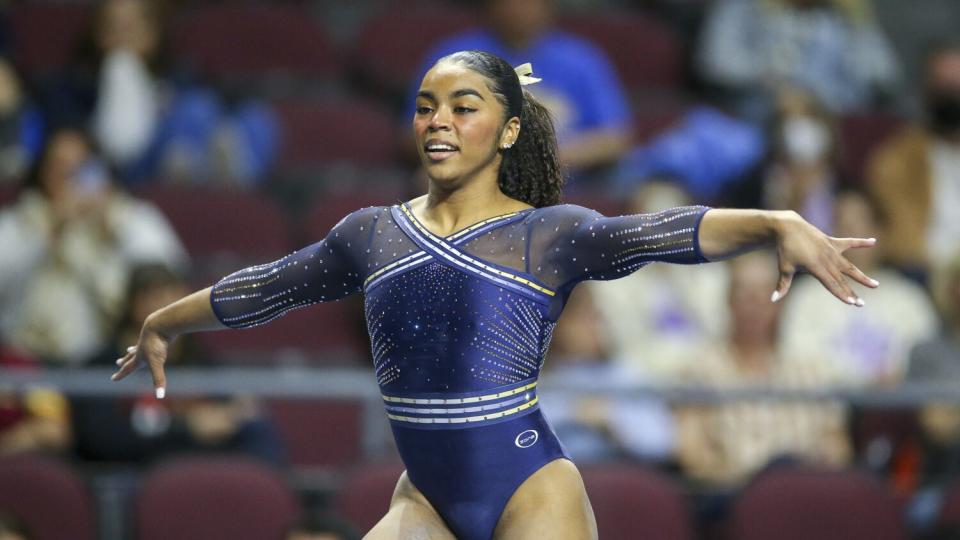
x,y
479,134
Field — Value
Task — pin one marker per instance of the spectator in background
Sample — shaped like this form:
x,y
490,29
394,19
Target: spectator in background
x,y
655,320
32,419
148,124
870,345
141,429
579,87
834,48
599,427
68,243
801,172
937,362
915,176
724,444
21,127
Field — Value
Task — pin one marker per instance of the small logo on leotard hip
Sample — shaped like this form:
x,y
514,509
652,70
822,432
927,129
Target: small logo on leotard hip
x,y
527,438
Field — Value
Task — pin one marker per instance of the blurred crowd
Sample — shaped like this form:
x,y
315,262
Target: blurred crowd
x,y
116,131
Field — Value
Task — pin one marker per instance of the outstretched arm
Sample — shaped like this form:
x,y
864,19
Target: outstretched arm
x,y
326,270
725,233
189,314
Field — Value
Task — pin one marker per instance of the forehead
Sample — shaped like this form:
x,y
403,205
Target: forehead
x,y
447,77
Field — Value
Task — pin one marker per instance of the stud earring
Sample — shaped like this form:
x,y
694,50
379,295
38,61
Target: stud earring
x,y
508,145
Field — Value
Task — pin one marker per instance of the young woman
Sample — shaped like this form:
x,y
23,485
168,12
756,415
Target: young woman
x,y
463,287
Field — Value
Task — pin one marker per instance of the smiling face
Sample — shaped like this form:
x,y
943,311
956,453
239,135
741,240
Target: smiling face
x,y
459,126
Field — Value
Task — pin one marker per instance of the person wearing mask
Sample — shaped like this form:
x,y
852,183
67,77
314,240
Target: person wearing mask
x,y
915,176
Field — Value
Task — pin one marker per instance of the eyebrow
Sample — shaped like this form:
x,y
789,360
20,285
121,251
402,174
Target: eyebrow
x,y
455,94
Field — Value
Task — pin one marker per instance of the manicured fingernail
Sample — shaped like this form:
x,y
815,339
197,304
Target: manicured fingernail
x,y
114,377
119,361
860,302
875,283
775,296
131,348
851,301
872,239
161,392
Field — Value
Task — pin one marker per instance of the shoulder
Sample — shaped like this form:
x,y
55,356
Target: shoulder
x,y
362,219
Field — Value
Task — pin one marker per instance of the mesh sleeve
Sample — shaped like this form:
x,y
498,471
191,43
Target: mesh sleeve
x,y
589,245
324,271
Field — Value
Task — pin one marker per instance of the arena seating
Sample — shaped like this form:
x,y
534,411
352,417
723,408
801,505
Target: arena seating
x,y
47,496
365,495
801,503
223,498
230,40
632,502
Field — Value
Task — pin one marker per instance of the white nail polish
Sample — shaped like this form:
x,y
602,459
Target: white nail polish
x,y
851,301
113,377
775,296
860,302
131,348
119,361
161,392
875,283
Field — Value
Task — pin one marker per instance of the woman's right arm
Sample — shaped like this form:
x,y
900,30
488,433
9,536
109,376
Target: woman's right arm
x,y
192,313
324,271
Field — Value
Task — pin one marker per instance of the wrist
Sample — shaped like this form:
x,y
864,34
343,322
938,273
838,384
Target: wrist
x,y
779,222
154,323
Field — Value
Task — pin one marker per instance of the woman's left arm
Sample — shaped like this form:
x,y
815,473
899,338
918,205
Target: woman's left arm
x,y
800,246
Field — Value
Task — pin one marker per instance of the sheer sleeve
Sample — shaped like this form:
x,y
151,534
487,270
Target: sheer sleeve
x,y
587,245
324,271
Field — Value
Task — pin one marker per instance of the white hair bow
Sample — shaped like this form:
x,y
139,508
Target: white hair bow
x,y
524,73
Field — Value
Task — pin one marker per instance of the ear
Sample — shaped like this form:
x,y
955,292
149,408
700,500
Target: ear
x,y
509,133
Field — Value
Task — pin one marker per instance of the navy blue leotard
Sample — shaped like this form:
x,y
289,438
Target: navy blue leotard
x,y
459,327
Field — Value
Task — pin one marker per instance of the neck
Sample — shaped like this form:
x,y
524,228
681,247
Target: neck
x,y
450,209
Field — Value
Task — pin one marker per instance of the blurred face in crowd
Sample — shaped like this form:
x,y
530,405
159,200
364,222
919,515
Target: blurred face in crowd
x,y
129,25
753,316
67,153
519,21
943,93
804,132
855,217
458,125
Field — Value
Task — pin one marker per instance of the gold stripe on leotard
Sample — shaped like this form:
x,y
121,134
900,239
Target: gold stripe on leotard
x,y
459,401
468,419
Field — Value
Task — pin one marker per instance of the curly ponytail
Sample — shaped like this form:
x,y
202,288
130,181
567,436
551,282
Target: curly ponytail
x,y
530,170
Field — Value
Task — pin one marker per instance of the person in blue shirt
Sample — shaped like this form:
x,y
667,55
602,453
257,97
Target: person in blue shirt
x,y
462,289
580,86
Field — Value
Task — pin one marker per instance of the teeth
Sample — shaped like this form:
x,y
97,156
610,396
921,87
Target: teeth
x,y
440,148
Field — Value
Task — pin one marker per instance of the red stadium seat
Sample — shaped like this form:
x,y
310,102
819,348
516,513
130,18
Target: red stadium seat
x,y
365,495
225,498
249,39
214,221
804,503
645,52
633,502
393,44
46,33
47,497
317,133
860,135
950,512
329,333
319,433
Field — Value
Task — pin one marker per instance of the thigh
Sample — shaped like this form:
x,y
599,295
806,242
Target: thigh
x,y
551,503
410,517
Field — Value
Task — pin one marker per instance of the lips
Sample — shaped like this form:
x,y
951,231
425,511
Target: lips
x,y
439,150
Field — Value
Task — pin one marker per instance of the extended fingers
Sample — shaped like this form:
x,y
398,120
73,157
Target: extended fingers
x,y
843,244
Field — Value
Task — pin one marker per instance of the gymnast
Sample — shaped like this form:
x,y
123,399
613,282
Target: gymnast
x,y
462,289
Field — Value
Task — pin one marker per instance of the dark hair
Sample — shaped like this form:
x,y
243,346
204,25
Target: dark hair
x,y
530,170
34,177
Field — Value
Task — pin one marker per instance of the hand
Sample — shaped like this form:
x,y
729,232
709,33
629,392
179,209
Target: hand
x,y
801,246
151,351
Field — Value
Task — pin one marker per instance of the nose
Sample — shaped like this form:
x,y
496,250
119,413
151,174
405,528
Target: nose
x,y
441,118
